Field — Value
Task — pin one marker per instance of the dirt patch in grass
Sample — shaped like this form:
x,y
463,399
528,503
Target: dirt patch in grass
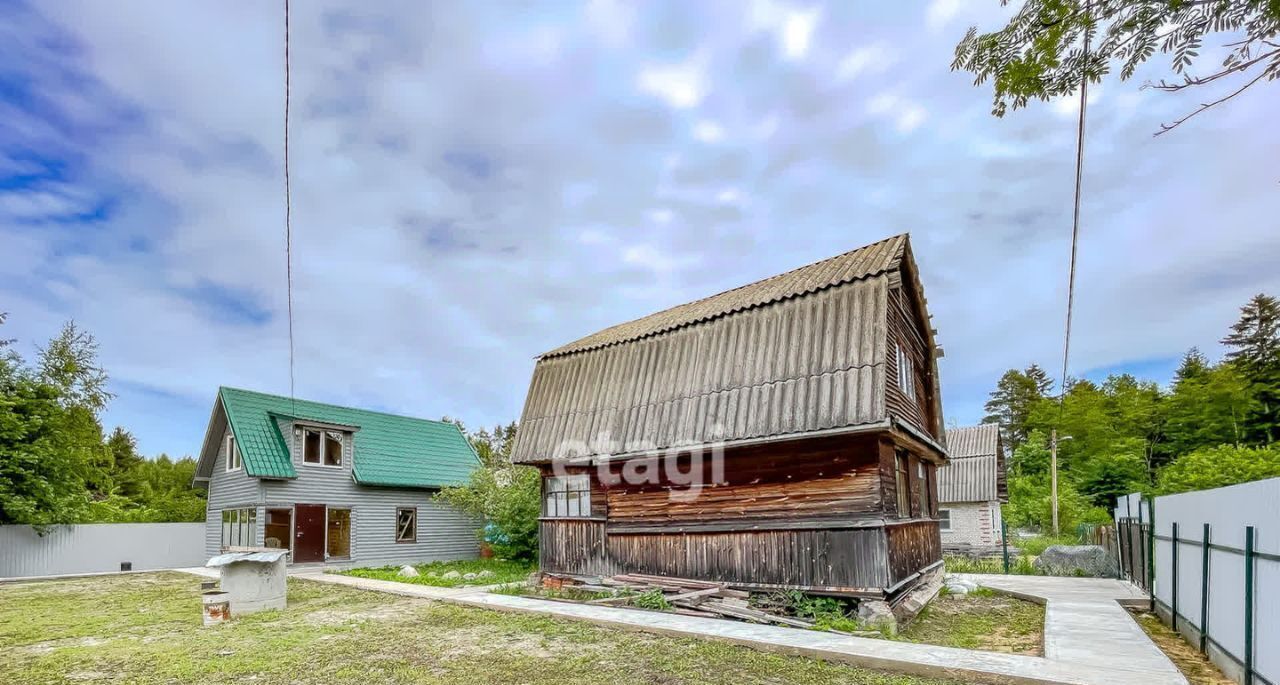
x,y
1195,666
983,620
146,630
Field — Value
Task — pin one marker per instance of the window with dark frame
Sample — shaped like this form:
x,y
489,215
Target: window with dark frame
x,y
944,519
900,480
567,497
406,524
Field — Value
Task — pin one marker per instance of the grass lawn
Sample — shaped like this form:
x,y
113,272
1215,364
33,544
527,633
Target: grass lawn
x,y
145,629
981,620
1195,666
431,574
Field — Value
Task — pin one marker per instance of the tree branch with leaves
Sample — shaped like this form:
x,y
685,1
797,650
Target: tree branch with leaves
x,y
1039,54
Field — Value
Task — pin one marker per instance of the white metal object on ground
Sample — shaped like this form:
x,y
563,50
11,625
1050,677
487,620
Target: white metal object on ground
x,y
254,580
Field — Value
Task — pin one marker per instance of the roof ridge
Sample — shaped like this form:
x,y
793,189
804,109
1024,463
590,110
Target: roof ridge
x,y
904,237
335,406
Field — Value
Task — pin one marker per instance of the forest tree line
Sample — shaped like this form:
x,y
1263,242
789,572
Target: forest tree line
x,y
57,463
1215,424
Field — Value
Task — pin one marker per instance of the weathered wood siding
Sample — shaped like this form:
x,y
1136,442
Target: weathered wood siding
x,y
913,545
834,478
852,560
904,322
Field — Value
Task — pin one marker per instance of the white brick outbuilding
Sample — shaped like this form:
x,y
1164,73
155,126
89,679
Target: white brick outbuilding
x,y
972,486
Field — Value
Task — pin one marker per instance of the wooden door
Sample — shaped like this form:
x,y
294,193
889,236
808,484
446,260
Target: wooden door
x,y
308,533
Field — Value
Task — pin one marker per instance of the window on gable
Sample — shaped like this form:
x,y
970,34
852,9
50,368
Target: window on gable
x,y
906,373
406,524
234,460
567,496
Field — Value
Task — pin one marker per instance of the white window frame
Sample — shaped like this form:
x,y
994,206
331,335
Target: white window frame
x,y
567,497
325,433
906,373
236,523
944,519
400,540
235,460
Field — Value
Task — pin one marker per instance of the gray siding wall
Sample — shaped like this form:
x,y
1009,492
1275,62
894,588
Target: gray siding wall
x,y
98,548
443,533
232,490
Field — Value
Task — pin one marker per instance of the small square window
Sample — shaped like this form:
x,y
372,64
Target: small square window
x,y
944,519
567,496
406,524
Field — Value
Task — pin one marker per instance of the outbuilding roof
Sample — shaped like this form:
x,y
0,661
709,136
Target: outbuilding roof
x,y
976,472
389,450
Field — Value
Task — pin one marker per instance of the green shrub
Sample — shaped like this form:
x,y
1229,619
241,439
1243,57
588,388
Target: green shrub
x,y
652,599
1217,467
509,500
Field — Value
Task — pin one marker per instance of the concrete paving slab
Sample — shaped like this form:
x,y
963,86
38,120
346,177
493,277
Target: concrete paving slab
x,y
1089,638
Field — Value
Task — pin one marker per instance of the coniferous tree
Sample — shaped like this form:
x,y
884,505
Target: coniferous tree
x,y
1255,350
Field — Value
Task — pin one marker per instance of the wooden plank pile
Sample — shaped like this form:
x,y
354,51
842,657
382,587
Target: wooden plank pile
x,y
686,597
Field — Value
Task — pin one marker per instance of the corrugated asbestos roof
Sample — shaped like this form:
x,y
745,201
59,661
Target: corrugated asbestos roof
x,y
792,354
976,471
974,441
389,450
971,479
863,262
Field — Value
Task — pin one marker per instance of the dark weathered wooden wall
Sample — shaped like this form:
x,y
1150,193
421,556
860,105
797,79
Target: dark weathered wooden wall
x,y
904,329
816,479
851,560
912,545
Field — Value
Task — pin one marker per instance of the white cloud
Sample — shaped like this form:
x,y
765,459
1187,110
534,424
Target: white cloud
x,y
940,12
610,20
708,131
906,115
869,59
1069,105
797,32
729,196
681,85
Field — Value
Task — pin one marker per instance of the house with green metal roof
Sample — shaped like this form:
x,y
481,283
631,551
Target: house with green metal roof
x,y
332,484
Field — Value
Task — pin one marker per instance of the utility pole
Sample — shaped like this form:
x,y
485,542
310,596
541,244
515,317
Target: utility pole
x,y
1053,470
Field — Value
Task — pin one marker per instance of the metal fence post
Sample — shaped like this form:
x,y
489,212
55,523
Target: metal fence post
x,y
1173,568
1151,550
1204,592
1248,605
1004,543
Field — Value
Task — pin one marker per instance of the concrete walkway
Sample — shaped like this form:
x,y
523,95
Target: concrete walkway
x,y
1089,638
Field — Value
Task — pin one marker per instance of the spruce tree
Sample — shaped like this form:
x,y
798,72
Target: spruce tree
x,y
1254,344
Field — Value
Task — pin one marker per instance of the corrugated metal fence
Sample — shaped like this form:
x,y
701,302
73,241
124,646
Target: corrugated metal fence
x,y
1217,574
99,547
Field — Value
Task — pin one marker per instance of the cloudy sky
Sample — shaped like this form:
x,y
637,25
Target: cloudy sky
x,y
474,184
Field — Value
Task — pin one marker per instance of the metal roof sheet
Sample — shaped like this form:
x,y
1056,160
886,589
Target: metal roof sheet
x,y
388,450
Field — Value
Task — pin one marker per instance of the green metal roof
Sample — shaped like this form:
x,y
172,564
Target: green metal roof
x,y
390,450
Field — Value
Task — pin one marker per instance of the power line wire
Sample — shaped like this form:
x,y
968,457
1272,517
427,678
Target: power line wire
x,y
1075,219
288,207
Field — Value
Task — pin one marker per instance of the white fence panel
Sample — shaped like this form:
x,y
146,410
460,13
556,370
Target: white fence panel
x,y
1228,511
99,547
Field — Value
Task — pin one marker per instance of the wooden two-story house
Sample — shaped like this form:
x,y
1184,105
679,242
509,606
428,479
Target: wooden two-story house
x,y
784,434
332,484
